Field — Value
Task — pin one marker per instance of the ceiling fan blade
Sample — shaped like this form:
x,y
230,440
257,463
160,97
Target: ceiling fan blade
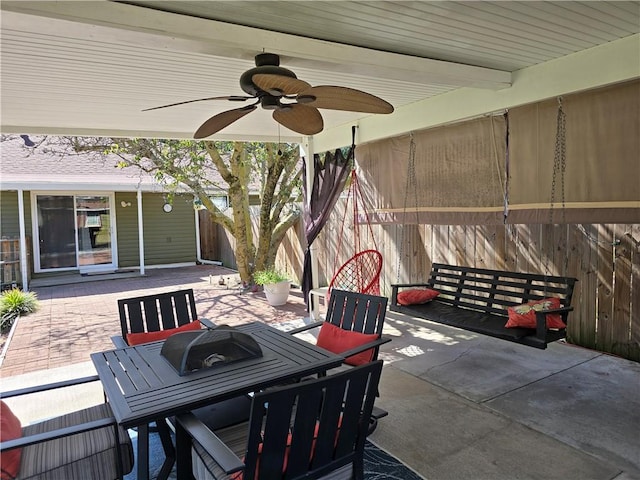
x,y
222,120
233,98
343,98
278,85
300,118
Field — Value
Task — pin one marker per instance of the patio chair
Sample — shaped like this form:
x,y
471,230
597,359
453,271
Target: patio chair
x,y
353,327
84,444
311,429
155,317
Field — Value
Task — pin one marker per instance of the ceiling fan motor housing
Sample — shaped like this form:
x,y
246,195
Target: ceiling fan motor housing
x,y
268,63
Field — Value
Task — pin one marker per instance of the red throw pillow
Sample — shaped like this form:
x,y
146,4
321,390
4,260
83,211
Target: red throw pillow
x,y
417,296
146,337
10,429
338,340
524,316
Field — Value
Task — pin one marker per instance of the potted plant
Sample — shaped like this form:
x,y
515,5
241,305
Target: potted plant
x,y
276,285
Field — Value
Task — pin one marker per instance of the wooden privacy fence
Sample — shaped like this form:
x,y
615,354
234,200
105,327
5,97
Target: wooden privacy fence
x,y
11,274
604,258
217,244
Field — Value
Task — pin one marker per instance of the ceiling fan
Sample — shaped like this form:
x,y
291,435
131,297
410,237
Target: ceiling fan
x,y
294,102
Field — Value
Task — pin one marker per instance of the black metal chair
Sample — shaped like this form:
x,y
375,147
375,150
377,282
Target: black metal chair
x,y
354,312
359,313
84,444
312,429
141,316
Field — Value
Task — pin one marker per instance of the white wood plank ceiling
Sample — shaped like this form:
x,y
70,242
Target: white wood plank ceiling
x,y
89,68
505,35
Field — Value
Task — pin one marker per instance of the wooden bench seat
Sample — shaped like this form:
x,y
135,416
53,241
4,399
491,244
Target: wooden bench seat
x,y
477,300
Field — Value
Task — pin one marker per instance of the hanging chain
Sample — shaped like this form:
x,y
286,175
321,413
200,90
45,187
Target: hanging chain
x,y
559,167
410,183
559,161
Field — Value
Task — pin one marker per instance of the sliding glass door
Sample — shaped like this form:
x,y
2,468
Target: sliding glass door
x,y
56,232
73,232
93,224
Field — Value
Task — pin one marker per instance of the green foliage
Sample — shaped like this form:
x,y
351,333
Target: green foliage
x,y
269,276
15,302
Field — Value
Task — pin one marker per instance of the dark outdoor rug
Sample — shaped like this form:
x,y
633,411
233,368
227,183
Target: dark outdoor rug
x,y
378,464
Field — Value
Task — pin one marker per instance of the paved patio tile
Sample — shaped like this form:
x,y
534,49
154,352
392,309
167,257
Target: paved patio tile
x,y
77,319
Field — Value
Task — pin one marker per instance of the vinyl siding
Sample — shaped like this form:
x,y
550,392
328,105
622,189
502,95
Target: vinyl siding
x,y
168,237
127,229
9,220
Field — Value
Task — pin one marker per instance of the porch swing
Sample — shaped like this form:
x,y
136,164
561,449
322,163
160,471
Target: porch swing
x,y
525,308
361,272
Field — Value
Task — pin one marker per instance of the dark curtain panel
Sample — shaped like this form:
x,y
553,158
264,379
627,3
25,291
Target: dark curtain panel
x,y
329,179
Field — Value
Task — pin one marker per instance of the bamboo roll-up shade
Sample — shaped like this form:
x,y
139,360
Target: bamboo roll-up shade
x,y
461,169
602,178
459,175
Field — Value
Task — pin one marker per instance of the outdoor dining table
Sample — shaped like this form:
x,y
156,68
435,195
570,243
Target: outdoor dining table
x,y
143,387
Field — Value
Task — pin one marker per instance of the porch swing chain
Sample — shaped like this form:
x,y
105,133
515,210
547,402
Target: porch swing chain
x,y
411,182
559,166
559,161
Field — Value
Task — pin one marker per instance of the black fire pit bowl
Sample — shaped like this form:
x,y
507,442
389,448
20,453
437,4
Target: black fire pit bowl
x,y
195,350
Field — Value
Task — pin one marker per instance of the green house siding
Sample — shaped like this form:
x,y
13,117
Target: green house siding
x,y
9,220
127,229
169,237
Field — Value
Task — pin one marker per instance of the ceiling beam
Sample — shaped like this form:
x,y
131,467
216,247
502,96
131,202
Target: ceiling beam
x,y
146,27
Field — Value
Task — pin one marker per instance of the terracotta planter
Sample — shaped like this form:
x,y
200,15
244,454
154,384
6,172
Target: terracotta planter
x,y
277,293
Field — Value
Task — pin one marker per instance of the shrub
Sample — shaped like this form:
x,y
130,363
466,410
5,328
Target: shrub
x,y
15,302
269,276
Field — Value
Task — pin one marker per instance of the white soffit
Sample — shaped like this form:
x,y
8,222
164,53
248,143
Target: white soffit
x,y
89,68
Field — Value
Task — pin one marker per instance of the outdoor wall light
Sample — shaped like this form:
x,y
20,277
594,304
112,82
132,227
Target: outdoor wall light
x,y
124,204
167,207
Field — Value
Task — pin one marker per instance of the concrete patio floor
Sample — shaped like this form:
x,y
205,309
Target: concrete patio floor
x,y
462,406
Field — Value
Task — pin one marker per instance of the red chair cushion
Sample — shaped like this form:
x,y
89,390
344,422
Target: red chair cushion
x,y
10,429
240,475
524,316
338,340
146,337
416,296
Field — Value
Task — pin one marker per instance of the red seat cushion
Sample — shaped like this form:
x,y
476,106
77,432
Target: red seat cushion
x,y
416,296
10,429
338,340
146,337
240,475
524,316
